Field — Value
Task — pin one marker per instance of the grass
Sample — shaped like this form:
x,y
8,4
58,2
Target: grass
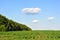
x,y
30,35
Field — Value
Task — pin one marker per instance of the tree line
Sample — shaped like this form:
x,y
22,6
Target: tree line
x,y
10,25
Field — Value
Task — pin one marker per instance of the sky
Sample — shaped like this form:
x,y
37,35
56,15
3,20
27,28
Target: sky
x,y
36,14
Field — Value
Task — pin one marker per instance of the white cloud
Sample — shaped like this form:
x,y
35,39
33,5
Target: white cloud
x,y
35,21
31,10
50,18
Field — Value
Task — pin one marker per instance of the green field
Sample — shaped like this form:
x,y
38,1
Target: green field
x,y
30,35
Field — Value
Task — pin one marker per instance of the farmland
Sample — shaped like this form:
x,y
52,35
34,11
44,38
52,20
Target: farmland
x,y
30,35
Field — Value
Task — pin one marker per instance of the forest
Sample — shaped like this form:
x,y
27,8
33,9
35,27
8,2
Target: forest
x,y
10,25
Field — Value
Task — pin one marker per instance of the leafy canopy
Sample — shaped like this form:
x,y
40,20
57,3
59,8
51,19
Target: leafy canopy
x,y
10,25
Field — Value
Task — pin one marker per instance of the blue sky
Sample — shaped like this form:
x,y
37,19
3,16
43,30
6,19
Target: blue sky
x,y
47,17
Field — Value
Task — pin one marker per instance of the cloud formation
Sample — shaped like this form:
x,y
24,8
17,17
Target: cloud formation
x,y
50,18
31,10
35,21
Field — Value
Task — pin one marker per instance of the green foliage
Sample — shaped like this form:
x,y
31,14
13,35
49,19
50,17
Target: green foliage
x,y
2,28
30,35
10,25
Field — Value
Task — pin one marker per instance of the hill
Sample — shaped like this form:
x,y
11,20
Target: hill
x,y
10,25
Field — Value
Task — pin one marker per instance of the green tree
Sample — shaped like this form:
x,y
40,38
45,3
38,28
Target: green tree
x,y
2,28
10,25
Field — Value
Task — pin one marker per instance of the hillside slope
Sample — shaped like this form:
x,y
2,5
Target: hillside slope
x,y
10,25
